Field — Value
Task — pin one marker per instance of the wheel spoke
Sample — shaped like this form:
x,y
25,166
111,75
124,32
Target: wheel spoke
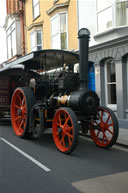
x,y
68,134
102,116
18,118
23,102
69,139
109,125
60,142
106,137
103,139
58,124
69,128
57,133
108,119
20,125
110,131
98,133
65,116
16,106
66,121
24,110
60,120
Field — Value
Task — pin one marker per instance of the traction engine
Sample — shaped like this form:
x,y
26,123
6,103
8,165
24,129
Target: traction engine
x,y
59,98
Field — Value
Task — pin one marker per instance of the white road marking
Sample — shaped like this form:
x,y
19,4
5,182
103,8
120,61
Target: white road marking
x,y
26,155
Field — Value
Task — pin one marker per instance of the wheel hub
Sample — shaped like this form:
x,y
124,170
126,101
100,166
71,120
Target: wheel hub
x,y
103,126
19,112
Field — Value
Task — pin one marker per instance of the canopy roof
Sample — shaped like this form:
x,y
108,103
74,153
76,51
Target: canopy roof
x,y
46,59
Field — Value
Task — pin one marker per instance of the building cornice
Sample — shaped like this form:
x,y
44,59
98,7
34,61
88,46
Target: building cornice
x,y
57,6
108,44
37,24
14,16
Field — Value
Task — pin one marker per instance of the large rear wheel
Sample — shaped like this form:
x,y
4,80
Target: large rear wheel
x,y
65,130
104,131
22,101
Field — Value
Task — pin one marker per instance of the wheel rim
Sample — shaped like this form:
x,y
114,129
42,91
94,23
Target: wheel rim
x,y
105,132
19,112
63,133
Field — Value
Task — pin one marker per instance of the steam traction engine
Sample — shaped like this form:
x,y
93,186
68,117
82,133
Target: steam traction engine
x,y
59,98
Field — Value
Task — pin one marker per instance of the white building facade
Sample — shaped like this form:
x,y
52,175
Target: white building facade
x,y
107,21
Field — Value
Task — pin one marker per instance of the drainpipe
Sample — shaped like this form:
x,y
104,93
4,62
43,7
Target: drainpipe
x,y
21,13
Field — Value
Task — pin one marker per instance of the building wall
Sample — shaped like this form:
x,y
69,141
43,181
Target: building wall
x,y
47,10
108,44
87,17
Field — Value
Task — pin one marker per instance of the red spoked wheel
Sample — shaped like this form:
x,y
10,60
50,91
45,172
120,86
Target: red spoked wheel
x,y
104,131
21,104
65,130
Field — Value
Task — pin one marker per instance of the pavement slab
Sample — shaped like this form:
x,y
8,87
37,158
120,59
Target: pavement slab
x,y
115,183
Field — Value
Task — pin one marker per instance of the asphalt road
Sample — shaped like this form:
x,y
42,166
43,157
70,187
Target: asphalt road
x,y
36,166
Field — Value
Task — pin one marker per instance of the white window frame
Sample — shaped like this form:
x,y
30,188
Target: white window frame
x,y
55,16
111,106
127,83
35,34
33,8
9,32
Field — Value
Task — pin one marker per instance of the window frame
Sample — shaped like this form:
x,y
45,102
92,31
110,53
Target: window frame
x,y
59,33
36,45
9,33
33,8
112,106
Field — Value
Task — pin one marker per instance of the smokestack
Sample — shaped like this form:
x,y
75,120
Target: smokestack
x,y
83,36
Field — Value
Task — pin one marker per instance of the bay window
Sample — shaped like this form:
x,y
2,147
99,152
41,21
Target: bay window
x,y
111,13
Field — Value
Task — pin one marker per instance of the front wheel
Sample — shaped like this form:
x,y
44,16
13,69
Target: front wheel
x,y
65,130
104,131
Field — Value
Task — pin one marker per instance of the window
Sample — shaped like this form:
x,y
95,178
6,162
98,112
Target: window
x,y
36,9
110,83
36,40
121,13
111,13
104,19
59,31
11,41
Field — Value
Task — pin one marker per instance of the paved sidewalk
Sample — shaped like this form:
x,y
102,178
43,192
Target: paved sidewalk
x,y
123,137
